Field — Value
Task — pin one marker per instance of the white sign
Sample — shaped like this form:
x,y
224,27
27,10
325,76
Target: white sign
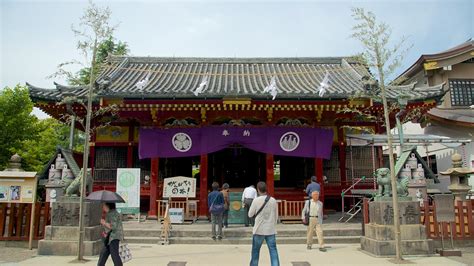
x,y
179,187
176,215
128,186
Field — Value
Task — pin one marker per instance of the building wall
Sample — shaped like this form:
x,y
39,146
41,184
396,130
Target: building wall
x,y
459,71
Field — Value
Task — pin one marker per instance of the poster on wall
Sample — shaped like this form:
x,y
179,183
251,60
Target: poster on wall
x,y
128,186
3,193
27,193
15,192
179,187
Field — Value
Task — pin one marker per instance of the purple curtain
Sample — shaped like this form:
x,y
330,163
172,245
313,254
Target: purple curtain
x,y
183,142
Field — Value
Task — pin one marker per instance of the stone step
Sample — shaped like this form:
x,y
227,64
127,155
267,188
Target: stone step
x,y
241,240
236,233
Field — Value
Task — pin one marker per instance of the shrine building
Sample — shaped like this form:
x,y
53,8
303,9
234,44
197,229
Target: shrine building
x,y
229,130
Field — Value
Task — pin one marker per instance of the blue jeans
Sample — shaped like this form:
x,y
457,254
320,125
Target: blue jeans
x,y
257,242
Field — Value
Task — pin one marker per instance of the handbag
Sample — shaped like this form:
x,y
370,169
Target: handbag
x,y
124,252
216,208
306,214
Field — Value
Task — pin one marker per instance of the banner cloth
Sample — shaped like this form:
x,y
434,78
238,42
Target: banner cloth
x,y
184,142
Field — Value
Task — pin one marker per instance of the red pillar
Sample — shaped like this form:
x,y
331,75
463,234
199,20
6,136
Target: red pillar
x,y
270,175
318,162
203,186
155,166
130,146
342,156
130,155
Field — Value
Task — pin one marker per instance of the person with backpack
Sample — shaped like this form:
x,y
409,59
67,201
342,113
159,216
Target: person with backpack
x,y
215,201
264,210
312,215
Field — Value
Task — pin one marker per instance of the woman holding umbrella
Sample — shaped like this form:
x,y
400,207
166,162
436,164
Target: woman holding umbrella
x,y
113,230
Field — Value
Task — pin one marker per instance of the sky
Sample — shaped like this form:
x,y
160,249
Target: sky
x,y
35,36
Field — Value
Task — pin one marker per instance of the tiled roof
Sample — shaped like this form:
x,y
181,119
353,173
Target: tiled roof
x,y
175,78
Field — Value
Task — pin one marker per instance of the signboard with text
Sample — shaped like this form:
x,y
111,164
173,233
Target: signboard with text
x,y
179,187
444,207
128,186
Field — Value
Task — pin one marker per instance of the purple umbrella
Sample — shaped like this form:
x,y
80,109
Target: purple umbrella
x,y
105,196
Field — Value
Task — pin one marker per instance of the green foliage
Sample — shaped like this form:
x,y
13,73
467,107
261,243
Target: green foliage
x,y
104,49
37,151
375,37
17,122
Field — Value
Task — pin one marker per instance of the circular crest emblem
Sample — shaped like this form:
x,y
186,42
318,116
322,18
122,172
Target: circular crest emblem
x,y
126,179
289,141
182,142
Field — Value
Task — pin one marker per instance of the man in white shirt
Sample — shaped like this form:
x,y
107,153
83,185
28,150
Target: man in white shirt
x,y
265,211
315,209
249,194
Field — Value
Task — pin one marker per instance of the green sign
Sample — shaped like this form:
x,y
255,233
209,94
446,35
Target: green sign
x,y
236,212
128,186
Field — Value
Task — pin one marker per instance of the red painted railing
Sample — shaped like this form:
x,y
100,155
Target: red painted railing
x,y
15,220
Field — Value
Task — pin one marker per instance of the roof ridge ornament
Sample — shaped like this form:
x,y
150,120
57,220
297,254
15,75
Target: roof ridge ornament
x,y
272,88
204,82
144,82
324,84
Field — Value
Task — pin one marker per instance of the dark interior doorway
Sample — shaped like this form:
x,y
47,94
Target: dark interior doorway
x,y
237,166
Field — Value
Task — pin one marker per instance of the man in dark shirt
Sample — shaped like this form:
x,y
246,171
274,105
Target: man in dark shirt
x,y
313,186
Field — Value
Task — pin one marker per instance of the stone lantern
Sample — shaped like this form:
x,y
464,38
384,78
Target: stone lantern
x,y
459,178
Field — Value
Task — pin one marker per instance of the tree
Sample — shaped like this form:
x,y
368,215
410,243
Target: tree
x,y
383,60
105,48
94,29
17,122
37,151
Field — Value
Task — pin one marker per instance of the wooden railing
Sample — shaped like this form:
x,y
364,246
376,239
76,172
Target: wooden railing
x,y
287,210
15,220
189,207
462,228
290,210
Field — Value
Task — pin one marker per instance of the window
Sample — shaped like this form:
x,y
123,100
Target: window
x,y
462,92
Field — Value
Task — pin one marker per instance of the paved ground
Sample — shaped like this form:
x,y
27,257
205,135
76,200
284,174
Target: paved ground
x,y
240,255
10,254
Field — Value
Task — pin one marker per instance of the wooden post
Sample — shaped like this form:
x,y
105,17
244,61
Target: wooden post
x,y
270,180
32,217
318,172
203,187
155,166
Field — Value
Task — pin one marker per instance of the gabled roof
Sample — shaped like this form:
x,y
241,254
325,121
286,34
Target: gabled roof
x,y
178,78
70,161
467,46
403,158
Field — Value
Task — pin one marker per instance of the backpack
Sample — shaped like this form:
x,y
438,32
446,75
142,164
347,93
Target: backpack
x,y
216,208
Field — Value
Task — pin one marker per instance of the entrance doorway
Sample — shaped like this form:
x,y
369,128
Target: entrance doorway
x,y
237,166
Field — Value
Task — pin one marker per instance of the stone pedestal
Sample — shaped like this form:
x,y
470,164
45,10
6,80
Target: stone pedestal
x,y
417,189
54,191
62,236
379,236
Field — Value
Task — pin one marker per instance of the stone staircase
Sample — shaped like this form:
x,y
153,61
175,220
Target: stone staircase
x,y
239,235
